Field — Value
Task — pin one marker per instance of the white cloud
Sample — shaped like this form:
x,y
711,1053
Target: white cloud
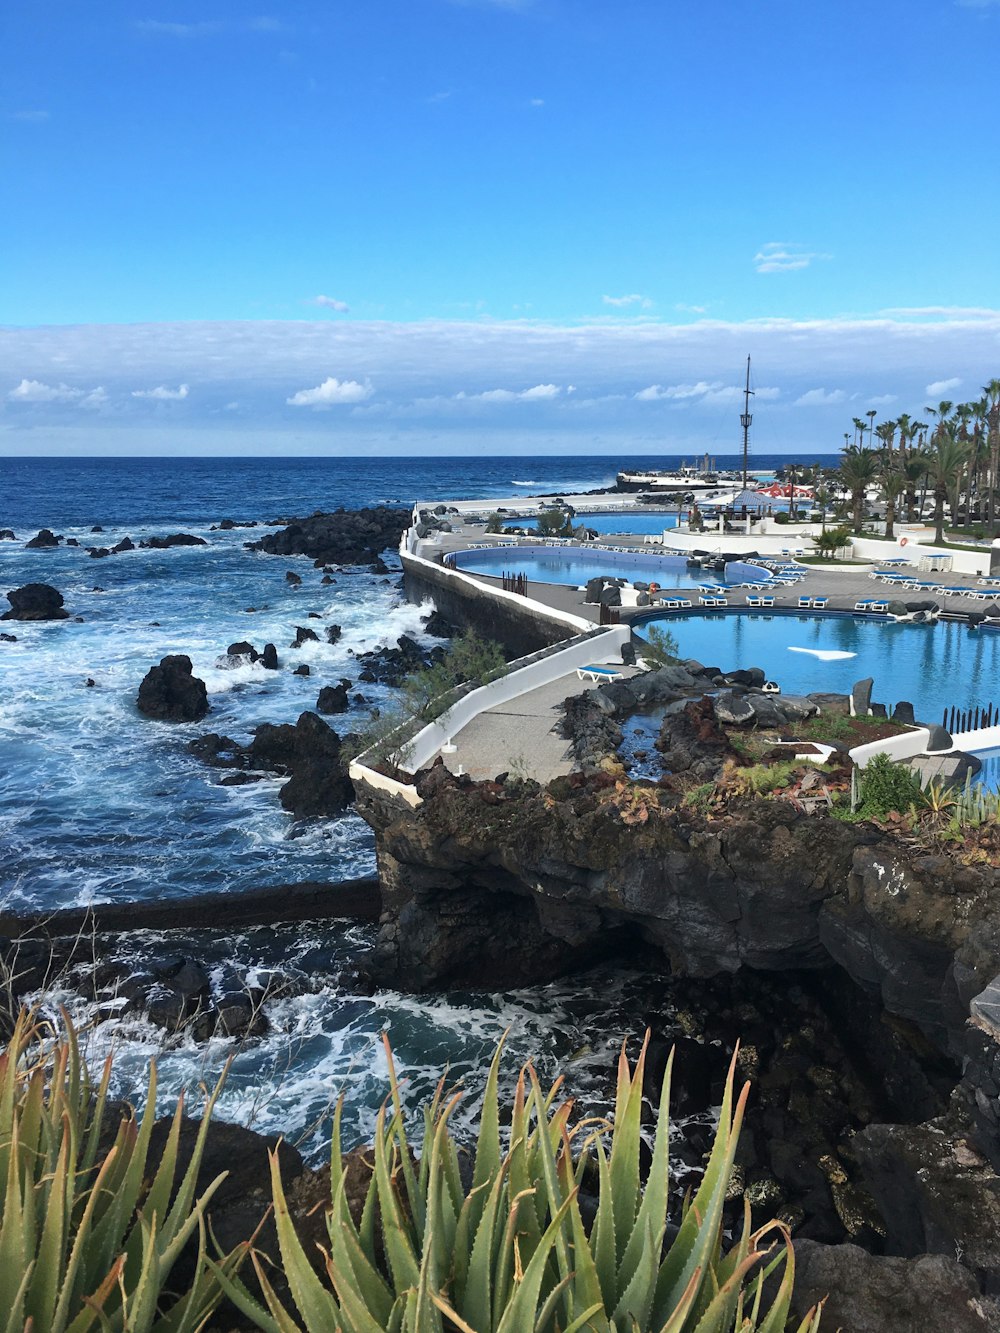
x,y
820,397
34,391
162,394
937,387
29,117
418,368
161,28
705,393
535,394
691,309
784,257
882,399
634,298
948,312
331,303
536,101
331,391
439,97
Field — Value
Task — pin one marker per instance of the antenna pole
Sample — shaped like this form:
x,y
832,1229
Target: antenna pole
x,y
745,419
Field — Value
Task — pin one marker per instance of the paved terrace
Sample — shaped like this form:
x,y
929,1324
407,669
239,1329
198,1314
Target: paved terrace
x,y
520,736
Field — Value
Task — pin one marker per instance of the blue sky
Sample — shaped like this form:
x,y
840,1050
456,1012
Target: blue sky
x,y
539,224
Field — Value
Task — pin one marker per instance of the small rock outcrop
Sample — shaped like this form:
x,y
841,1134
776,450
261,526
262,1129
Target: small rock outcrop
x,y
43,540
35,601
310,753
175,539
171,692
333,699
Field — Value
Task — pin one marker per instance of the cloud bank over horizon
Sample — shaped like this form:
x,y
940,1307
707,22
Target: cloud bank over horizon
x,y
434,386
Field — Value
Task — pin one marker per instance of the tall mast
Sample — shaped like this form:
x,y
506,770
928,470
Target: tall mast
x,y
745,419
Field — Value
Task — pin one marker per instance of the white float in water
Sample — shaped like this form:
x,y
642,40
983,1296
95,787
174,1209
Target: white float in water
x,y
824,654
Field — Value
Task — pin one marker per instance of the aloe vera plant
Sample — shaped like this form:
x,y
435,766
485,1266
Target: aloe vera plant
x,y
512,1254
87,1240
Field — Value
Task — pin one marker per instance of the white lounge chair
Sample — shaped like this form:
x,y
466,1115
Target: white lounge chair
x,y
599,673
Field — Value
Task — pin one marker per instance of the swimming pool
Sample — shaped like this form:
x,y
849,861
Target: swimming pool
x,y
930,665
573,566
634,522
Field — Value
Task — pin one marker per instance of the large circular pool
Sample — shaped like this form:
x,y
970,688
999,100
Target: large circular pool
x,y
634,522
575,565
933,666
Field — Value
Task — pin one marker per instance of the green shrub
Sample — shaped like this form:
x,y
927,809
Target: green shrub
x,y
661,646
554,523
494,522
468,659
89,1233
512,1254
781,517
886,786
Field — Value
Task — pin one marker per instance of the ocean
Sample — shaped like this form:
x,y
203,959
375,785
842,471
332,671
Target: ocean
x,y
99,804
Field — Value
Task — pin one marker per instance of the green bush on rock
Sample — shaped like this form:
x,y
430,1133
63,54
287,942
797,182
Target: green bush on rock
x,y
511,1253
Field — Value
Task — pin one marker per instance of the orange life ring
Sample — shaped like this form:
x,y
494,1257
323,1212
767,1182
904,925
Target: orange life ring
x,y
903,541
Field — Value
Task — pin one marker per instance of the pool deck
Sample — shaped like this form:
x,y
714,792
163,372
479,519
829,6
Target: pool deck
x,y
843,586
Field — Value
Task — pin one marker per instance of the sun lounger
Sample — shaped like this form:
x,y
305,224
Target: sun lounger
x,y
819,603
805,602
598,673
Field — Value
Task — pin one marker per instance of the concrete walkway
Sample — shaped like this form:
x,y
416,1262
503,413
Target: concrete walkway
x,y
519,737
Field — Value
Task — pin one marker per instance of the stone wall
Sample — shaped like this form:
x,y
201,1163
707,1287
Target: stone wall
x,y
521,629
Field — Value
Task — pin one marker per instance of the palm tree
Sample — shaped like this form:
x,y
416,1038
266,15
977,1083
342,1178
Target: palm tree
x,y
914,470
991,392
892,484
941,412
871,414
887,434
859,430
858,468
903,426
945,466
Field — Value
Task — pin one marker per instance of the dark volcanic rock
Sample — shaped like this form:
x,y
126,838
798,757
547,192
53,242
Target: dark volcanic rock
x,y
333,699
333,633
302,670
175,539
126,544
438,626
303,635
348,537
7,535
171,693
310,752
35,601
870,1293
295,580
269,657
391,666
43,540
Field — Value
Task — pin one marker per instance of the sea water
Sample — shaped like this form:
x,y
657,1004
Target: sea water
x,y
99,804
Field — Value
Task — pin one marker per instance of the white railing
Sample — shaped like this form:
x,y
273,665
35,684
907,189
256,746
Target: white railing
x,y
904,746
538,669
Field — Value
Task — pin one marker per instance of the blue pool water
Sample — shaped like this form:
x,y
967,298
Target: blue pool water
x,y
635,523
989,774
549,564
930,665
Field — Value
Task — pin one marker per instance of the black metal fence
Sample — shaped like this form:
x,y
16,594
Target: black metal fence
x,y
957,720
515,583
